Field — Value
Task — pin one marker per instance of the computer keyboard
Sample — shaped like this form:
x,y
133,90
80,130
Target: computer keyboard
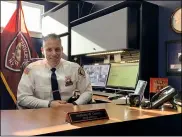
x,y
126,91
101,93
121,90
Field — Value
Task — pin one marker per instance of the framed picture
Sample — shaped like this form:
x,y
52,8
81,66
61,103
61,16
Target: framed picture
x,y
173,57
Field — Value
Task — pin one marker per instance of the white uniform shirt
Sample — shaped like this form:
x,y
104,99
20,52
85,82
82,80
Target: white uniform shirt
x,y
34,89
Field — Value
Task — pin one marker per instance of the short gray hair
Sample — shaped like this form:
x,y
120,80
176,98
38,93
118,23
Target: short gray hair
x,y
51,36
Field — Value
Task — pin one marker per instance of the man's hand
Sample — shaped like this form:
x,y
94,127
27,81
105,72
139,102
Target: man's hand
x,y
57,103
68,104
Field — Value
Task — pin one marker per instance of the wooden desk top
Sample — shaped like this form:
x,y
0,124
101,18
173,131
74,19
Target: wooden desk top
x,y
101,98
50,120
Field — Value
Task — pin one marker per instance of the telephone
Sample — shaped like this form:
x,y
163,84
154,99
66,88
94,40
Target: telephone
x,y
164,95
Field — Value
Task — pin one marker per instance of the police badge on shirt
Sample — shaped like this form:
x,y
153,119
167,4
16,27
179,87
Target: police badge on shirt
x,y
68,81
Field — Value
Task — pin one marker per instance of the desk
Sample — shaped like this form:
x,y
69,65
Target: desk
x,y
51,121
100,98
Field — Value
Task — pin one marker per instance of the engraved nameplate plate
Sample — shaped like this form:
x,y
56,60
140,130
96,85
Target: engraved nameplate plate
x,y
89,115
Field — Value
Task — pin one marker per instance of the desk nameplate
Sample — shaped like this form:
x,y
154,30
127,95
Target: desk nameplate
x,y
89,115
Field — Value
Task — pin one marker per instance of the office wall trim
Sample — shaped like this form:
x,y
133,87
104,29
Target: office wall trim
x,y
64,34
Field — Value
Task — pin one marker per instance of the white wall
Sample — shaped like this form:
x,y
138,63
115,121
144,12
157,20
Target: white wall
x,y
55,22
108,32
64,42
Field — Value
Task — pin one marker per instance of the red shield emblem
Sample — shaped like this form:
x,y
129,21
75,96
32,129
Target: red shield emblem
x,y
18,51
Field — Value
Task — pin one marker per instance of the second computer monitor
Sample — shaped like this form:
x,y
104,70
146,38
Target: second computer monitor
x,y
123,75
98,74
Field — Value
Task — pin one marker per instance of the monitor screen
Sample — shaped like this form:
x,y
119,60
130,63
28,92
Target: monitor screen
x,y
123,75
98,74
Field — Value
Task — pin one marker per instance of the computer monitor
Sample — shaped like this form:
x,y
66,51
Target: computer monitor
x,y
124,76
98,74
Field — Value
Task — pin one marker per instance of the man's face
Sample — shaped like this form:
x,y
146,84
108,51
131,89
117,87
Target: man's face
x,y
53,51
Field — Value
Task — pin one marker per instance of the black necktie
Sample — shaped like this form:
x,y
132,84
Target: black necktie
x,y
54,84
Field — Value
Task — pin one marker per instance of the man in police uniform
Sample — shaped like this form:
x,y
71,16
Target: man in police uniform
x,y
36,90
